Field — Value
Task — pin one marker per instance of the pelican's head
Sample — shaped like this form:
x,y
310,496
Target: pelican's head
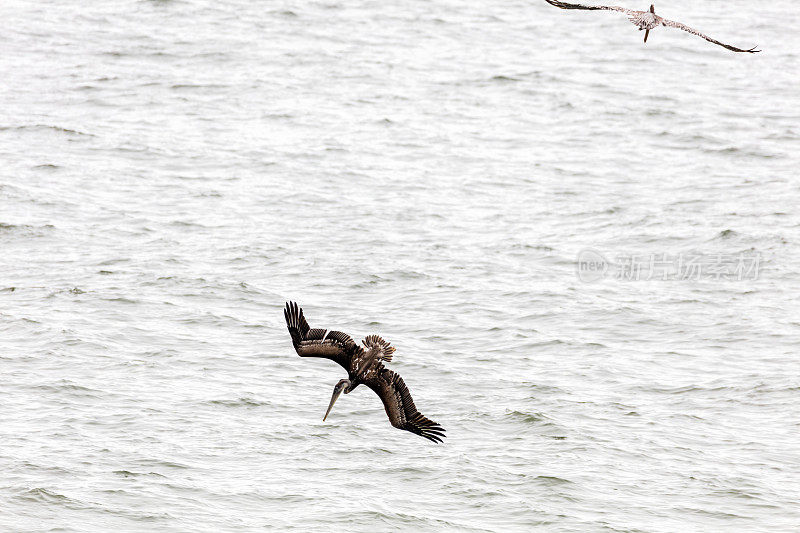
x,y
652,8
344,386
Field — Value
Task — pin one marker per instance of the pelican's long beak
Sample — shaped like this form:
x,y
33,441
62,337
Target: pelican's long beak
x,y
336,394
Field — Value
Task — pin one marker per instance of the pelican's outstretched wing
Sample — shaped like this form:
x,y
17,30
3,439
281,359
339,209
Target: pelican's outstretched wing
x,y
684,27
565,5
400,406
333,345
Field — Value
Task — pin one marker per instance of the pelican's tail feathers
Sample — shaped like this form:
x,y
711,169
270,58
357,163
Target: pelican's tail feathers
x,y
383,349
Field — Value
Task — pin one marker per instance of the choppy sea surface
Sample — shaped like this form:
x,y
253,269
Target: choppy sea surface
x,y
171,172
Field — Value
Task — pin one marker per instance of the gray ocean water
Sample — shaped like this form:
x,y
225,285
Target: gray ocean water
x,y
173,171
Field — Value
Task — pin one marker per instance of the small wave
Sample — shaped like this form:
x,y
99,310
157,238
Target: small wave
x,y
726,234
24,229
554,342
240,402
548,389
45,496
197,86
158,463
36,127
504,79
65,386
128,473
553,480
531,418
5,226
713,513
122,300
186,224
733,150
539,247
108,262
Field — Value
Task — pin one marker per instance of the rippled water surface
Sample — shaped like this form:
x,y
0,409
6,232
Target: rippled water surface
x,y
173,171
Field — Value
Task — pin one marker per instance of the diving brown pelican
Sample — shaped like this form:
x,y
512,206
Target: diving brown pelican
x,y
363,366
648,20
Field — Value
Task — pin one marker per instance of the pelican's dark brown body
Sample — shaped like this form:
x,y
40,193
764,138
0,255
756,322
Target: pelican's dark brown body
x,y
364,367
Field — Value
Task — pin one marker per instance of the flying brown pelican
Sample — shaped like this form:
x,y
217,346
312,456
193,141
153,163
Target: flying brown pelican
x,y
363,366
648,20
